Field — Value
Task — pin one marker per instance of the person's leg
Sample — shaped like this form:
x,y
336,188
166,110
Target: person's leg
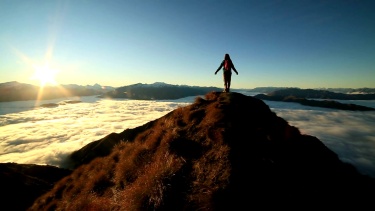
x,y
228,82
225,82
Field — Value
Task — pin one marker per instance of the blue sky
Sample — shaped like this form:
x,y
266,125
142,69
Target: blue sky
x,y
301,43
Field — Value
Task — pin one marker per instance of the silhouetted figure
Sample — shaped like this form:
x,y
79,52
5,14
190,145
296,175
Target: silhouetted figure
x,y
227,66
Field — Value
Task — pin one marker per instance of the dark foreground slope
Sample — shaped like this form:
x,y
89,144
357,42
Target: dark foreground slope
x,y
21,184
225,152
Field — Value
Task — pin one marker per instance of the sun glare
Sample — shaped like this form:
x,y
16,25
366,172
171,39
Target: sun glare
x,y
45,75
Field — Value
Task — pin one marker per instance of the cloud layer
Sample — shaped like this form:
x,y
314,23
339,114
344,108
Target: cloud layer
x,y
33,134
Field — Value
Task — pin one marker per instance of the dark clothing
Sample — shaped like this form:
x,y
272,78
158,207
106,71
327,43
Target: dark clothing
x,y
231,67
227,73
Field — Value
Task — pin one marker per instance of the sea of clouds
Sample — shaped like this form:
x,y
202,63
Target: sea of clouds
x,y
33,134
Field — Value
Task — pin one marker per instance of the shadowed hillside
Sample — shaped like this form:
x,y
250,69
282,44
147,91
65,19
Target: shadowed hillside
x,y
225,152
21,184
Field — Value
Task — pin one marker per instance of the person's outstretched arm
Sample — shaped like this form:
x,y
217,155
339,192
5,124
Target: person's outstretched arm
x,y
234,69
221,65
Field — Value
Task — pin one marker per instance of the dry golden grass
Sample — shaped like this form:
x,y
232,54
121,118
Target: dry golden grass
x,y
139,175
194,158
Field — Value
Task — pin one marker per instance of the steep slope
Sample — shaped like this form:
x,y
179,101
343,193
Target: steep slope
x,y
21,184
225,152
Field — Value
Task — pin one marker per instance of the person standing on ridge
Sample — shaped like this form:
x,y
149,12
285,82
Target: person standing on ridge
x,y
227,66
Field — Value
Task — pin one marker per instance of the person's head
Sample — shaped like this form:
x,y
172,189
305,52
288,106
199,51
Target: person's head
x,y
226,57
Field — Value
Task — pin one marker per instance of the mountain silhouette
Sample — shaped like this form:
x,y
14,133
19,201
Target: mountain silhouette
x,y
316,103
321,94
15,91
226,151
157,91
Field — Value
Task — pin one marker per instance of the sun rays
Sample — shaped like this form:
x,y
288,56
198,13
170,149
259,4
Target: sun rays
x,y
45,72
48,85
45,75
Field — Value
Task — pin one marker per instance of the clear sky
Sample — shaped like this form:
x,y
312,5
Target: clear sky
x,y
300,43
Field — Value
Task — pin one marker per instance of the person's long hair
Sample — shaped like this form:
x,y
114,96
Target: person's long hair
x,y
227,62
227,57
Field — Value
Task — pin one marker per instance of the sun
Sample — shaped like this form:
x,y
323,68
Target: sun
x,y
45,75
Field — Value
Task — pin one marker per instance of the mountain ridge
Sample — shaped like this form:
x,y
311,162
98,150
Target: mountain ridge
x,y
224,151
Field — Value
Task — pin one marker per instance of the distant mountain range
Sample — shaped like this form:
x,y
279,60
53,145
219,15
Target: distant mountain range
x,y
321,94
302,96
328,90
161,91
15,91
157,91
